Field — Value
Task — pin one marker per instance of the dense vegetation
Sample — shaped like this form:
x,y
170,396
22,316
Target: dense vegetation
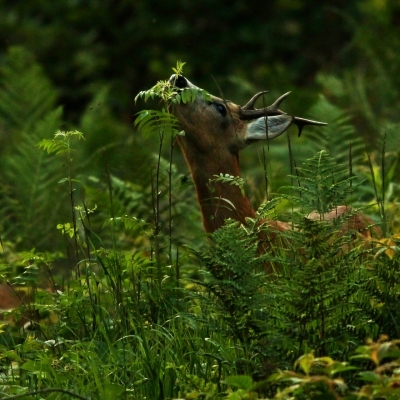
x,y
101,228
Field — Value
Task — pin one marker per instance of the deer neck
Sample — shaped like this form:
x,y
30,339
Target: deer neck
x,y
218,200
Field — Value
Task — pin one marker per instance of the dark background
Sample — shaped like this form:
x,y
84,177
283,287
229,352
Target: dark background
x,y
129,45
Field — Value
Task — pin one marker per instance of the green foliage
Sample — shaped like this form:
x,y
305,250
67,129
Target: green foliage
x,y
170,94
320,185
339,137
151,122
232,262
316,306
138,317
152,36
27,195
232,180
379,294
316,298
319,378
28,198
137,310
102,129
26,96
60,144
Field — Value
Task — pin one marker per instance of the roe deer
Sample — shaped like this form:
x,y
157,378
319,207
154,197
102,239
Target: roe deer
x,y
215,131
11,299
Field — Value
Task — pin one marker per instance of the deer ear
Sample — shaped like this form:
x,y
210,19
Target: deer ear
x,y
272,126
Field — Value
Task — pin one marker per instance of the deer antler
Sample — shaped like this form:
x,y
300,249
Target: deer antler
x,y
302,122
248,112
252,101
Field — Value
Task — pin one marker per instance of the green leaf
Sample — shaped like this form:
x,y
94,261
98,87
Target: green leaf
x,y
36,367
305,362
112,390
339,367
240,381
184,95
369,376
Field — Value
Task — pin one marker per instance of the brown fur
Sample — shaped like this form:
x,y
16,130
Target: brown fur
x,y
11,299
27,317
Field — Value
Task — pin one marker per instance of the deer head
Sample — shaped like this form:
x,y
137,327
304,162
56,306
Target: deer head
x,y
218,120
215,131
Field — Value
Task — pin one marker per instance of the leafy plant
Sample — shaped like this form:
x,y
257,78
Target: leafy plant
x,y
170,94
28,199
142,315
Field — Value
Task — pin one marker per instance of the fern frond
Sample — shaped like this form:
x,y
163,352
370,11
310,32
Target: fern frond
x,y
30,199
60,143
320,185
26,95
338,135
150,122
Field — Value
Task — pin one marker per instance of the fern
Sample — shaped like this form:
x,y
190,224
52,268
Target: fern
x,y
339,137
317,301
232,180
29,201
320,186
150,122
26,95
314,304
313,301
379,295
133,200
102,130
231,264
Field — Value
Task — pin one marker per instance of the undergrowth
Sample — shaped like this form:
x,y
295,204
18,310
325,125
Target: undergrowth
x,y
138,313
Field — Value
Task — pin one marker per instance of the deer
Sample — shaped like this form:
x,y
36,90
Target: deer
x,y
17,298
216,130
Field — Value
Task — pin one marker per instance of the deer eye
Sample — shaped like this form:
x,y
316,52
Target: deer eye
x,y
221,109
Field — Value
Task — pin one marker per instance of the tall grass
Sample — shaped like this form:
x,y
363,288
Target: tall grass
x,y
129,310
161,321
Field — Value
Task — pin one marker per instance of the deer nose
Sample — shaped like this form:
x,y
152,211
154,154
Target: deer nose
x,y
179,81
